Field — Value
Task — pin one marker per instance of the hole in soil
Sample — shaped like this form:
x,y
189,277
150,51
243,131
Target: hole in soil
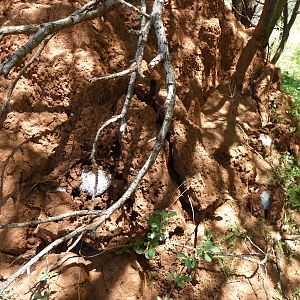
x,y
222,157
177,231
75,192
134,216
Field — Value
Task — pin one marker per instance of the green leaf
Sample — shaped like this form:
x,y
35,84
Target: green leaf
x,y
151,235
180,254
181,284
138,250
207,257
150,253
172,214
215,249
45,276
190,263
186,278
170,276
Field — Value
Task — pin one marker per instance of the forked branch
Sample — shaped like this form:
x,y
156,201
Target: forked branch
x,y
157,23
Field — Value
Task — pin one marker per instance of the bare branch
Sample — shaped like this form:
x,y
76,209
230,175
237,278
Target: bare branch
x,y
114,75
19,29
4,285
143,13
90,11
156,16
155,61
53,219
145,27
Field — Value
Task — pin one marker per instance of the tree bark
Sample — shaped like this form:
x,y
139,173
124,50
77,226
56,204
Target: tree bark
x,y
286,29
271,12
244,10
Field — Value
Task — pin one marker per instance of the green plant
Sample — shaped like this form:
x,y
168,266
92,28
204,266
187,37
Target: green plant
x,y
226,267
290,225
180,279
291,85
296,294
288,173
157,222
42,290
207,249
204,250
234,232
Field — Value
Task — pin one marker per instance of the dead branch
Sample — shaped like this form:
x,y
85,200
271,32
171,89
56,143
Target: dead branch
x,y
37,257
145,27
156,21
143,13
34,58
223,254
19,29
53,219
88,12
114,75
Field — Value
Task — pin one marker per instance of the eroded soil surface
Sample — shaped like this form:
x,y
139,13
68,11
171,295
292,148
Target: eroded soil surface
x,y
211,171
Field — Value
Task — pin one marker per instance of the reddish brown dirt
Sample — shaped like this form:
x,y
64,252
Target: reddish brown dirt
x,y
212,159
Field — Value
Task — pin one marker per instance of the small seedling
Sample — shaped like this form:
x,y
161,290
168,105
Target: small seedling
x,y
42,289
205,250
235,232
180,279
157,222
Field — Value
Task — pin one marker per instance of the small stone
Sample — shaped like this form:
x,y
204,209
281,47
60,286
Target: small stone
x,y
89,180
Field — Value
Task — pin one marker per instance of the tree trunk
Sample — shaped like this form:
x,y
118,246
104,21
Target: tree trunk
x,y
244,10
286,29
270,15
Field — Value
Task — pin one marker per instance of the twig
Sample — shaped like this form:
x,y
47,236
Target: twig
x,y
115,75
156,60
88,12
35,57
253,244
223,254
37,257
145,27
131,6
53,219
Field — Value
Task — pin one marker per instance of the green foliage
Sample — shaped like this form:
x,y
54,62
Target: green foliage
x,y
291,85
207,249
204,250
180,279
296,294
42,290
290,225
157,222
234,232
289,175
